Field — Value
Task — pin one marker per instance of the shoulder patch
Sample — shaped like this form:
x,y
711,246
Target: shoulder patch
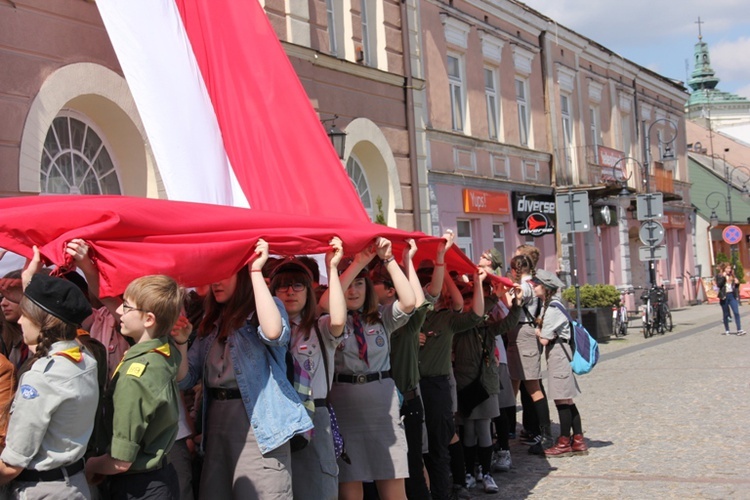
x,y
28,392
136,369
74,354
163,350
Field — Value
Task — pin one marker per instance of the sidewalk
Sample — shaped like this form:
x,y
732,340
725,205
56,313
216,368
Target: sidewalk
x,y
665,417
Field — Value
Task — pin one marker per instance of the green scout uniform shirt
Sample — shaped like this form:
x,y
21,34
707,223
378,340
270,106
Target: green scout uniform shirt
x,y
470,347
439,327
405,349
146,404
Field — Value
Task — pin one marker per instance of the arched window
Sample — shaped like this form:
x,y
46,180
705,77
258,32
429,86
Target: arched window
x,y
76,161
357,176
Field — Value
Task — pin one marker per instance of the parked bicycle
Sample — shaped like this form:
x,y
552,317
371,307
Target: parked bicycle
x,y
655,314
620,315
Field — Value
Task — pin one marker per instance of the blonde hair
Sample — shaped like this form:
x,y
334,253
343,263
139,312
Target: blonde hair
x,y
159,295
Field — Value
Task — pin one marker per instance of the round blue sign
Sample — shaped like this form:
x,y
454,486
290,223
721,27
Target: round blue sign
x,y
732,235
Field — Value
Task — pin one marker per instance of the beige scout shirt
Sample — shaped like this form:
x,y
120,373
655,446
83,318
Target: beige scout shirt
x,y
53,412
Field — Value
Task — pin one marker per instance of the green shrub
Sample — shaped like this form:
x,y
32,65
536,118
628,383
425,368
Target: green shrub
x,y
594,295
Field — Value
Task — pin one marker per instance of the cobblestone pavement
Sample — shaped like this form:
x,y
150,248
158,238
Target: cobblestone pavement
x,y
665,417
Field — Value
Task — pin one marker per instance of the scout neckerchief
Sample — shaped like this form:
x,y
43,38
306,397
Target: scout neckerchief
x,y
74,354
359,333
162,349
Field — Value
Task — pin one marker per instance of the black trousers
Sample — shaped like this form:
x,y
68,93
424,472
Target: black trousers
x,y
413,414
159,484
438,412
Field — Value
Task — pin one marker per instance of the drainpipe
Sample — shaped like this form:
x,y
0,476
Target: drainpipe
x,y
410,121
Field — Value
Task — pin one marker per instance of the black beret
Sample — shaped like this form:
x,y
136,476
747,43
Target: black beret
x,y
58,297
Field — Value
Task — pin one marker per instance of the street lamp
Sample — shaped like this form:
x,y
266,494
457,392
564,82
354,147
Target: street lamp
x,y
336,135
623,197
714,219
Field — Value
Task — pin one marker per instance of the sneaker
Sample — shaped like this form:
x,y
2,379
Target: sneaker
x,y
470,482
460,493
726,332
531,440
536,449
501,461
489,484
741,332
478,474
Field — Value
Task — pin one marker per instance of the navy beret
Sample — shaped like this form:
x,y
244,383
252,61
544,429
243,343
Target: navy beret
x,y
58,297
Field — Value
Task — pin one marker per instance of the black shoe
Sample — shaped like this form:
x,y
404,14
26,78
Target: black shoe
x,y
536,449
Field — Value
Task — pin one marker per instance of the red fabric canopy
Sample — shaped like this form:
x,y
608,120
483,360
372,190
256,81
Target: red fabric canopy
x,y
192,242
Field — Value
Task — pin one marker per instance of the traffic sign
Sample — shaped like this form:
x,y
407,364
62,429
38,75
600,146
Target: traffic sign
x,y
573,212
732,235
650,206
651,232
652,253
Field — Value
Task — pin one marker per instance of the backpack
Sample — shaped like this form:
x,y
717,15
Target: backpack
x,y
585,348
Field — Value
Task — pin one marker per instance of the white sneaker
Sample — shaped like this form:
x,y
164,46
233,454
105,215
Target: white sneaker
x,y
501,461
489,484
480,476
470,482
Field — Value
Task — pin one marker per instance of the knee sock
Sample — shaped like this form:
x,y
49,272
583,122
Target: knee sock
x,y
565,420
458,469
576,420
470,458
530,419
502,428
511,411
542,412
485,459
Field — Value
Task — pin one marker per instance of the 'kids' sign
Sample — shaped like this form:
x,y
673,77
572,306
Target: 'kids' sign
x,y
535,214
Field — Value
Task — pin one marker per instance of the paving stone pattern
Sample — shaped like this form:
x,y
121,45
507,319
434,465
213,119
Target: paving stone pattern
x,y
665,417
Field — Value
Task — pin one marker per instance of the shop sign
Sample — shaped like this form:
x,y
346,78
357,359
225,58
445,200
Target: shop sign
x,y
674,220
609,157
535,214
486,202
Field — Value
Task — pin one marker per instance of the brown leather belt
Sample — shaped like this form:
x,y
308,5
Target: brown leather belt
x,y
224,394
361,378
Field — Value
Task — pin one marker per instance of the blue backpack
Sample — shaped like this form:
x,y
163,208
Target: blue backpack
x,y
585,347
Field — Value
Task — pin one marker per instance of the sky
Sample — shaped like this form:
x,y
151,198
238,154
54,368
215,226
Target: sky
x,y
661,34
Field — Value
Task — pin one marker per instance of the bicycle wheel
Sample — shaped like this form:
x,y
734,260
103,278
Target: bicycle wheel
x,y
659,320
646,317
668,319
624,325
616,326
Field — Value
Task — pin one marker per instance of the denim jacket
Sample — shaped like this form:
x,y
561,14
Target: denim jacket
x,y
273,407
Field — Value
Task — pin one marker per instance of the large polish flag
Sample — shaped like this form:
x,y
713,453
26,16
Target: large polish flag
x,y
227,118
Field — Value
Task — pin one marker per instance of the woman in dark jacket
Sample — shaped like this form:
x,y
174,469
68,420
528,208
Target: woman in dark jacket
x,y
728,286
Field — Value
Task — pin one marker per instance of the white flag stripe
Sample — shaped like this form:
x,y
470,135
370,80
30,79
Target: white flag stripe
x,y
165,80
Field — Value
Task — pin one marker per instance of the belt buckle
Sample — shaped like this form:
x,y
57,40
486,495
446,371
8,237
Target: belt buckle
x,y
360,379
221,394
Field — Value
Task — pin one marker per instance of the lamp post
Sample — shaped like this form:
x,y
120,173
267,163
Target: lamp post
x,y
728,174
714,218
668,154
336,135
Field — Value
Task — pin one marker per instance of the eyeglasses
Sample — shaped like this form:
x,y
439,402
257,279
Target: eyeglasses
x,y
126,308
297,287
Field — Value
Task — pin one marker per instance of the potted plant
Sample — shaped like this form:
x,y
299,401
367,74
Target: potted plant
x,y
596,308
